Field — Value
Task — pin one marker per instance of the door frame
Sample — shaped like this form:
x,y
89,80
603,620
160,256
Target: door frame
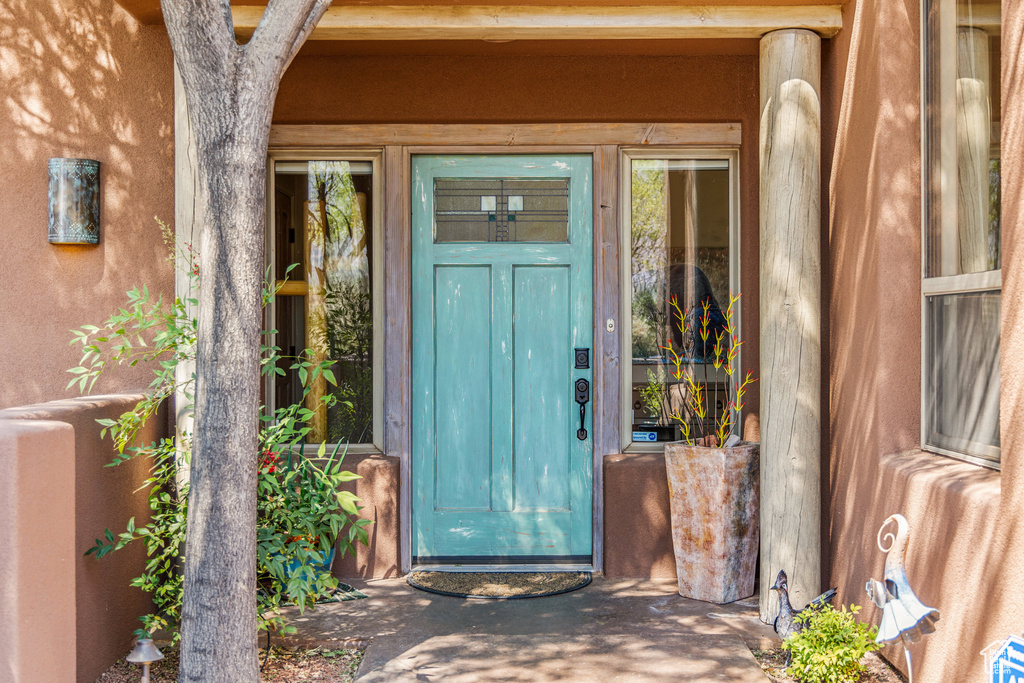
x,y
575,255
602,140
605,234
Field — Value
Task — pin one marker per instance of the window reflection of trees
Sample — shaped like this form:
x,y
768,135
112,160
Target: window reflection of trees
x,y
676,246
679,235
647,256
340,310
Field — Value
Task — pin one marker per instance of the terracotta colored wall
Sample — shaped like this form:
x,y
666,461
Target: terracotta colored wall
x,y
1007,553
37,565
498,88
965,555
637,522
79,78
104,609
378,497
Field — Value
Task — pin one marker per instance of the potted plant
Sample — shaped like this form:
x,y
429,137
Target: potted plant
x,y
713,476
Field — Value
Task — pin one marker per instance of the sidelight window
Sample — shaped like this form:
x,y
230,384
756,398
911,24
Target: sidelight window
x,y
324,251
680,222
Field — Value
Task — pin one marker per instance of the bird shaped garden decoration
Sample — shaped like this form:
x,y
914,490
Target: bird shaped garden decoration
x,y
904,616
786,623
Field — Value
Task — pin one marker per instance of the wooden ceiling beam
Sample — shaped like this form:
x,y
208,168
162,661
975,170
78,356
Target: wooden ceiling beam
x,y
416,134
521,22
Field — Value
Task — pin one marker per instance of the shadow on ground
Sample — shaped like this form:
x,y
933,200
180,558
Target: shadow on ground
x,y
611,630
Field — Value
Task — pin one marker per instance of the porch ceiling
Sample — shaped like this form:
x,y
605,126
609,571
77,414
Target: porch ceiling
x,y
544,20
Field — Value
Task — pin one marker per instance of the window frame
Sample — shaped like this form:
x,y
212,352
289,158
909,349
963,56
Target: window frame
x,y
626,157
376,157
945,196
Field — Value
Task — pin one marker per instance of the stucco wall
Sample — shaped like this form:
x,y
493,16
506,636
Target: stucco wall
x,y
63,499
78,78
499,85
965,555
37,568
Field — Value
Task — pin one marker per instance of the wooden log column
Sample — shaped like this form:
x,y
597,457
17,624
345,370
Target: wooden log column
x,y
790,214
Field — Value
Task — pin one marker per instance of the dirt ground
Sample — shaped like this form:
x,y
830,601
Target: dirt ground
x,y
294,666
773,662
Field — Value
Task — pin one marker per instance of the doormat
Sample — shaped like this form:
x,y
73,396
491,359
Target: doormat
x,y
498,585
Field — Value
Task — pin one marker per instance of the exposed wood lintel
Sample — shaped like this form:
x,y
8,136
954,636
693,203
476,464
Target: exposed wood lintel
x,y
723,134
520,22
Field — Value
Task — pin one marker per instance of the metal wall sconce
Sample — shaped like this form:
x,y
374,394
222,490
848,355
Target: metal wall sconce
x,y
74,201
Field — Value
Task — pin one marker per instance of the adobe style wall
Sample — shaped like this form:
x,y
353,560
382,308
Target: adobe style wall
x,y
535,82
966,550
80,79
38,636
546,83
59,498
378,490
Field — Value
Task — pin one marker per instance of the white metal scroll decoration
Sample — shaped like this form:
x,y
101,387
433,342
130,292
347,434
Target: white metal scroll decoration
x,y
904,616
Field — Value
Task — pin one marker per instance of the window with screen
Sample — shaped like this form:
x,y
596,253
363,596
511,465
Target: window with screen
x,y
962,281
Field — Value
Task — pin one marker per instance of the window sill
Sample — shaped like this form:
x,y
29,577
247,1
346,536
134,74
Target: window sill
x,y
353,449
975,484
961,457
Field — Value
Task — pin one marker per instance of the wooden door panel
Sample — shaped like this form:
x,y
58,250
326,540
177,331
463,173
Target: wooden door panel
x,y
542,388
462,421
497,469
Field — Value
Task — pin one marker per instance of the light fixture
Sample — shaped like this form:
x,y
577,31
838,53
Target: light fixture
x,y
74,201
145,653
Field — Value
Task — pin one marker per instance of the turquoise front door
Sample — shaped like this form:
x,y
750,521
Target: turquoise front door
x,y
501,295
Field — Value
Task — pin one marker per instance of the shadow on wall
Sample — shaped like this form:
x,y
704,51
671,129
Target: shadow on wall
x,y
960,557
874,223
637,520
78,79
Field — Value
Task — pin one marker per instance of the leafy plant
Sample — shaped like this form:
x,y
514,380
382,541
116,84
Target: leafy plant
x,y
719,345
301,509
830,646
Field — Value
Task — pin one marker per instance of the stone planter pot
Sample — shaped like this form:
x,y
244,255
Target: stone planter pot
x,y
714,495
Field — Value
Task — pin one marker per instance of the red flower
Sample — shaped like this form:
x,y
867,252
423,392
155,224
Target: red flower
x,y
268,463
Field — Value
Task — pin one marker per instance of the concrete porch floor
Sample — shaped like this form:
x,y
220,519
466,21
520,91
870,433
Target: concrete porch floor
x,y
612,630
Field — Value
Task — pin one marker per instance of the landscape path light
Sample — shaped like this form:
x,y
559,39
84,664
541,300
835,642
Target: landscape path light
x,y
145,653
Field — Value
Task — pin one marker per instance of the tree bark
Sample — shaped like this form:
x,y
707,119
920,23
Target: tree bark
x,y
230,91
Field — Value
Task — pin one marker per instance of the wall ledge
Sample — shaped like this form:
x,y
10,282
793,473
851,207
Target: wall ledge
x,y
60,408
922,468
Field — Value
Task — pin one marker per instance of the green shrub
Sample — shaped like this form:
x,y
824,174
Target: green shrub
x,y
301,510
830,646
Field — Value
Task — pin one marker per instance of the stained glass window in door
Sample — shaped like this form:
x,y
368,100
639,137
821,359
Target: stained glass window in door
x,y
501,209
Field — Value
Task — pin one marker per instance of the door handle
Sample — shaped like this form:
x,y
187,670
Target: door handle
x,y
582,397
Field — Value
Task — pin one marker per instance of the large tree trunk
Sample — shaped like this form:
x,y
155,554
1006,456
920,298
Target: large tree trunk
x,y
230,91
